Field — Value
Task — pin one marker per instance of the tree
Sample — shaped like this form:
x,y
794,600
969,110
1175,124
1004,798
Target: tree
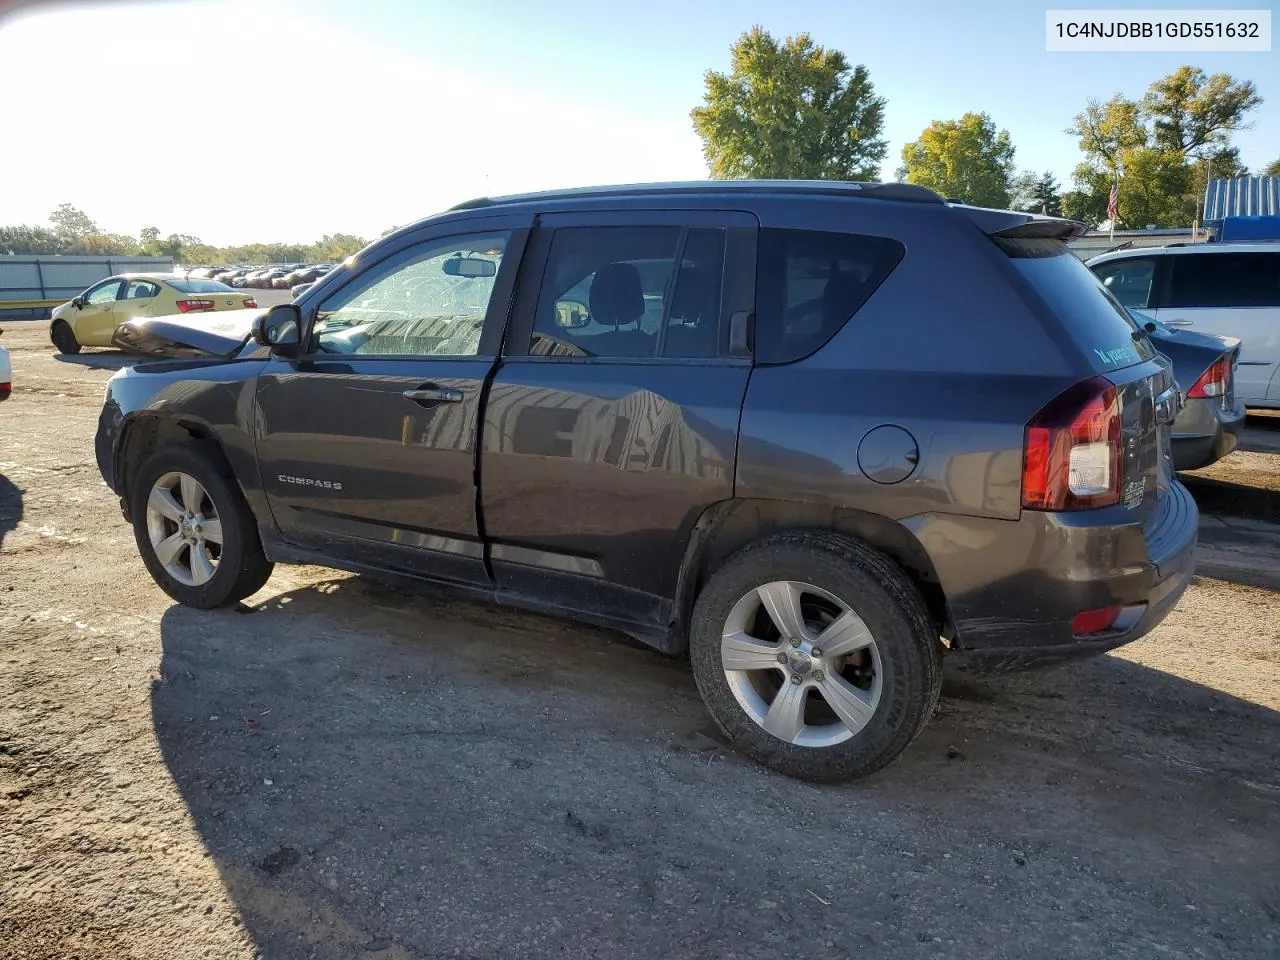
x,y
1161,149
1045,197
71,224
790,110
29,241
1195,114
1272,169
968,159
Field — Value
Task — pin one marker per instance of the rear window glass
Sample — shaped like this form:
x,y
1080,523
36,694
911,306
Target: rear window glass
x,y
194,285
1097,321
1224,280
810,283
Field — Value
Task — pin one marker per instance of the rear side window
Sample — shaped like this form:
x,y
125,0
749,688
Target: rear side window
x,y
1102,328
810,283
194,285
1224,280
631,293
1129,281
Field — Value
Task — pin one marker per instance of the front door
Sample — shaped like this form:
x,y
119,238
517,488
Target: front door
x,y
367,440
95,321
612,423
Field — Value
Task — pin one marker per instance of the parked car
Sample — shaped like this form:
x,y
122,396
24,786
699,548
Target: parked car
x,y
6,373
820,435
1228,289
1204,366
91,319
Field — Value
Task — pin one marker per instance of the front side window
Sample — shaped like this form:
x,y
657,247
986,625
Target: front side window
x,y
1129,281
1225,280
432,305
631,293
810,283
105,293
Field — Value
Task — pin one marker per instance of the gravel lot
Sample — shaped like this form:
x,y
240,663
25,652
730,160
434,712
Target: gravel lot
x,y
342,769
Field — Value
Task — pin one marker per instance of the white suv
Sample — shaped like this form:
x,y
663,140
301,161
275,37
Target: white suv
x,y
1230,289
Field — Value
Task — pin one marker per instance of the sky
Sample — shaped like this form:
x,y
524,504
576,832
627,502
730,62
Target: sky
x,y
282,120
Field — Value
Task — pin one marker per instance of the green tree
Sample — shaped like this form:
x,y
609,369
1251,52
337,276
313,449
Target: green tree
x,y
1194,114
791,110
1162,148
108,244
29,241
968,159
71,224
1272,169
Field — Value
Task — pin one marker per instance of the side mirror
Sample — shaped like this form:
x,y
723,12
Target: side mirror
x,y
77,302
280,328
572,314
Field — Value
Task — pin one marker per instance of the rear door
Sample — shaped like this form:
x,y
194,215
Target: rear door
x,y
137,300
1232,294
612,423
367,441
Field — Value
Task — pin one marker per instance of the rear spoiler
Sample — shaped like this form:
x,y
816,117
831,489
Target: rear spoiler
x,y
1011,225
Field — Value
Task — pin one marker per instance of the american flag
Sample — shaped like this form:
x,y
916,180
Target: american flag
x,y
1113,201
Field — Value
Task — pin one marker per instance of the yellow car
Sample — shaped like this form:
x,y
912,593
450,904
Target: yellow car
x,y
90,320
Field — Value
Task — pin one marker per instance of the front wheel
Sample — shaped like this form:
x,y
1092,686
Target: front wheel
x,y
194,530
64,337
816,656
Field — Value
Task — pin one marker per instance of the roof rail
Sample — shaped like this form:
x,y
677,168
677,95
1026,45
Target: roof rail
x,y
906,192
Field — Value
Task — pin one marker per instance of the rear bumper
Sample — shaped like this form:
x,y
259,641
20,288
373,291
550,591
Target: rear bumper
x,y
1013,587
1215,433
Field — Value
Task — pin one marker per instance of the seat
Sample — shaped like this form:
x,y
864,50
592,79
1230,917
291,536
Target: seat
x,y
141,292
617,299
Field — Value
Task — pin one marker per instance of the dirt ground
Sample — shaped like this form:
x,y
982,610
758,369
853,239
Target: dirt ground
x,y
342,769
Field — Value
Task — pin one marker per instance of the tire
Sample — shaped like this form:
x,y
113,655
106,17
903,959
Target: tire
x,y
64,338
890,687
239,566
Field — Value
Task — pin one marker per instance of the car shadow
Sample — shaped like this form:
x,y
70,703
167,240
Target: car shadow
x,y
1217,497
106,360
10,507
375,770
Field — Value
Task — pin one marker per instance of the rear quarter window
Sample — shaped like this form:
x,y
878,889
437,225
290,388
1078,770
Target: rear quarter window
x,y
810,283
1224,280
1097,322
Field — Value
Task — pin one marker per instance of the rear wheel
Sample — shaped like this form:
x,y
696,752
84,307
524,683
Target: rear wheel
x,y
816,656
194,530
64,337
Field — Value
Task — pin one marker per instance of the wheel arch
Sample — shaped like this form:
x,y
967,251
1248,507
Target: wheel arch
x,y
727,526
142,434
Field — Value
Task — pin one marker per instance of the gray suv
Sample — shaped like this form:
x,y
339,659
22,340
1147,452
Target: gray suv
x,y
821,436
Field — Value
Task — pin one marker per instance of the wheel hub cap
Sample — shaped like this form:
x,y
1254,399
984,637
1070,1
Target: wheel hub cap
x,y
800,662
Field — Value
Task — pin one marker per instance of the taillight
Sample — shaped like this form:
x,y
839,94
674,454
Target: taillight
x,y
1073,458
250,303
1215,381
187,306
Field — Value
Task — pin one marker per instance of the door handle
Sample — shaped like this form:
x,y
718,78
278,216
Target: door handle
x,y
1178,323
432,394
